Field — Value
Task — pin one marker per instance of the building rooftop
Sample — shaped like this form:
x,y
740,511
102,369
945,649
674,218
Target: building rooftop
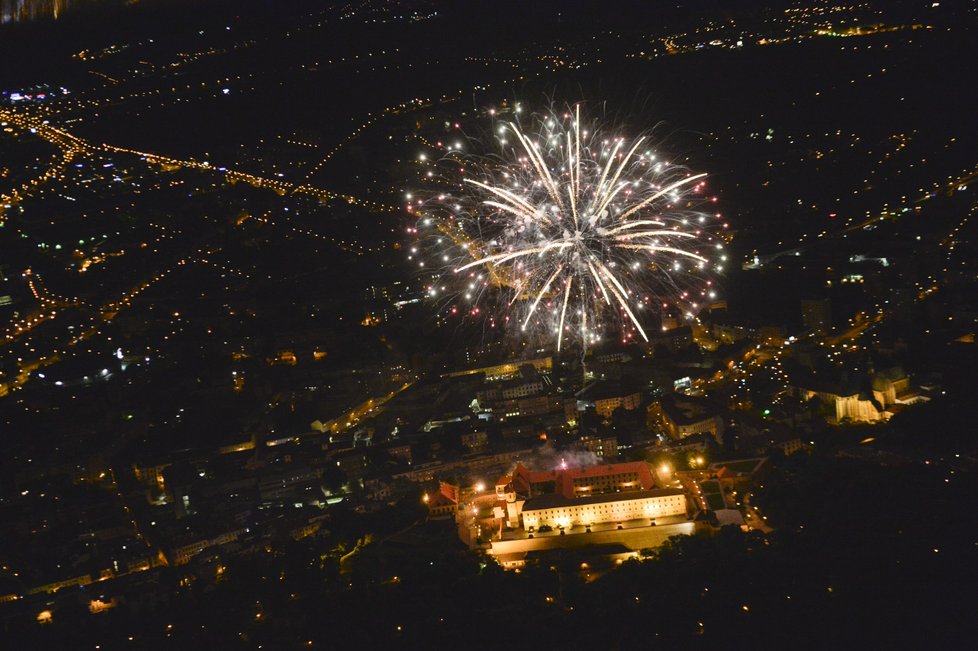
x,y
563,478
686,410
606,390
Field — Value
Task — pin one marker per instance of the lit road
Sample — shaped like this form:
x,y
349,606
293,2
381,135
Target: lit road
x,y
72,146
361,411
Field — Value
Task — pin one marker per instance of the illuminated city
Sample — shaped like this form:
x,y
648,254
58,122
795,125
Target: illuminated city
x,y
429,324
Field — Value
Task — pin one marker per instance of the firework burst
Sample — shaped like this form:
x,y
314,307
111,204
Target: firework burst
x,y
566,233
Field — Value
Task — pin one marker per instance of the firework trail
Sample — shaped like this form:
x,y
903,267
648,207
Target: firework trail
x,y
566,233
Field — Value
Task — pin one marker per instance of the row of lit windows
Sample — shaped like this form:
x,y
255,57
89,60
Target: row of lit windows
x,y
606,479
614,506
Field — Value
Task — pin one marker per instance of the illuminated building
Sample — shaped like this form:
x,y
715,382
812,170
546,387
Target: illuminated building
x,y
606,397
521,388
506,369
728,333
559,512
605,447
529,383
532,406
870,398
569,497
184,553
442,503
681,416
242,445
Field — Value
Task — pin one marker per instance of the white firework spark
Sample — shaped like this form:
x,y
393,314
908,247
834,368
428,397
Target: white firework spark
x,y
573,233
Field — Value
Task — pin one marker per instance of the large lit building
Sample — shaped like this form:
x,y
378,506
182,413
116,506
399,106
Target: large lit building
x,y
559,512
569,497
864,398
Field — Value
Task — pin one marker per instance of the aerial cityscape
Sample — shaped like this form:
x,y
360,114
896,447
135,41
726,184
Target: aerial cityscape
x,y
436,324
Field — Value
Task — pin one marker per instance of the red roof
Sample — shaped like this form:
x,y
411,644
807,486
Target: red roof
x,y
563,478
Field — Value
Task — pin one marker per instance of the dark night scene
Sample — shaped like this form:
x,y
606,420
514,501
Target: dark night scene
x,y
444,324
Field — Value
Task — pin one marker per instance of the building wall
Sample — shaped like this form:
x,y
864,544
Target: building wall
x,y
848,407
182,555
533,406
858,410
626,481
443,510
851,407
522,390
605,448
618,511
492,394
657,418
674,340
728,334
509,369
84,579
712,426
570,412
606,406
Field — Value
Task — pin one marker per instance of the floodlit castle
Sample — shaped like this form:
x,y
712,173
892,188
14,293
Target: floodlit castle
x,y
569,497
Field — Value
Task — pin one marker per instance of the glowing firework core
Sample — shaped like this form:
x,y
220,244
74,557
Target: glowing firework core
x,y
570,228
